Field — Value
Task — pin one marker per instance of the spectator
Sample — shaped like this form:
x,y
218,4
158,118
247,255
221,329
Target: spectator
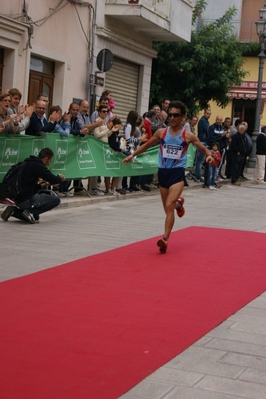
x,y
190,124
84,118
217,133
62,126
44,97
248,144
212,173
8,121
38,122
159,121
132,141
85,122
238,153
23,113
228,155
103,101
29,203
149,117
259,172
103,132
203,127
165,104
108,93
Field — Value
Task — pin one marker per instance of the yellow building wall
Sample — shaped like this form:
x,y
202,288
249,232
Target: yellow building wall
x,y
251,66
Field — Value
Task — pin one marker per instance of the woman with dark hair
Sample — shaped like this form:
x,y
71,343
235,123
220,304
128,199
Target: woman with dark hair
x,y
132,140
63,123
103,133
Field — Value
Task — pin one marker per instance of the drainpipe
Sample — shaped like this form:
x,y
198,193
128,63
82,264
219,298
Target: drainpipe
x,y
90,65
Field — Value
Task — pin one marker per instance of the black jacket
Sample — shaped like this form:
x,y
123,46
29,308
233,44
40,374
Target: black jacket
x,y
238,144
35,127
261,144
34,170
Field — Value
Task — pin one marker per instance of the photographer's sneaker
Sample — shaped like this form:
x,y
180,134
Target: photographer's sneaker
x,y
28,216
7,213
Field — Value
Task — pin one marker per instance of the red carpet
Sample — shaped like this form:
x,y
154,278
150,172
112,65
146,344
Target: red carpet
x,y
93,328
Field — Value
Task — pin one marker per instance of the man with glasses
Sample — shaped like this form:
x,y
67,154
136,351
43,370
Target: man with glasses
x,y
38,122
173,143
103,101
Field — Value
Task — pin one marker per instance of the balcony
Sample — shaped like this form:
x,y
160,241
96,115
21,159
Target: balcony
x,y
160,20
244,30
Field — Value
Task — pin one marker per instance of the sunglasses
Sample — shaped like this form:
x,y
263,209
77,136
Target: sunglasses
x,y
104,111
175,115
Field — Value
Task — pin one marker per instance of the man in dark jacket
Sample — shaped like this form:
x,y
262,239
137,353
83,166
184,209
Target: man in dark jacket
x,y
238,154
203,127
38,122
30,204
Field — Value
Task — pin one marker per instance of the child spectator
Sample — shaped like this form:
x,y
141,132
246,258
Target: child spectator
x,y
212,169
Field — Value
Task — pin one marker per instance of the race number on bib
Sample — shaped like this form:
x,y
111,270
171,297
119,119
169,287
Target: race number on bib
x,y
172,151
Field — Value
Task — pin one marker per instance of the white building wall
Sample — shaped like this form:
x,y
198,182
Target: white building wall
x,y
216,9
67,38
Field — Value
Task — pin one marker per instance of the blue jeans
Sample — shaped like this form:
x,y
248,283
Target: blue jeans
x,y
199,161
38,204
212,175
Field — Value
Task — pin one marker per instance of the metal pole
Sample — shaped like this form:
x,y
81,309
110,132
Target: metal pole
x,y
252,157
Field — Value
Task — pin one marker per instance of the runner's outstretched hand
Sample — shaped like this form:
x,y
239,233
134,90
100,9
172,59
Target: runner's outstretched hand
x,y
128,158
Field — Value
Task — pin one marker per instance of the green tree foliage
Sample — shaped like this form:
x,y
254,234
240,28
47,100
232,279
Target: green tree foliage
x,y
202,70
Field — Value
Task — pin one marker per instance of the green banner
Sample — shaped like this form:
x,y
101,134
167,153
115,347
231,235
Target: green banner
x,y
77,157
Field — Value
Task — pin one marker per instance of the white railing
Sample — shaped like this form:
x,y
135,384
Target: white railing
x,y
244,30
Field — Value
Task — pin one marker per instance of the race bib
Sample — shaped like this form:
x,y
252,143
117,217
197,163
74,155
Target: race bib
x,y
172,151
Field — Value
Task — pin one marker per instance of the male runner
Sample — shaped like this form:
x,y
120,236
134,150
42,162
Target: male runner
x,y
174,141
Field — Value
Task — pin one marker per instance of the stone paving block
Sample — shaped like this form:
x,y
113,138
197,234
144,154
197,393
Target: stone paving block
x,y
202,341
250,328
192,393
223,326
197,354
246,318
233,387
253,311
240,336
176,376
254,375
255,362
205,366
147,389
239,347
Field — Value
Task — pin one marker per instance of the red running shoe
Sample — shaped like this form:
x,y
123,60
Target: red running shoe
x,y
180,210
162,244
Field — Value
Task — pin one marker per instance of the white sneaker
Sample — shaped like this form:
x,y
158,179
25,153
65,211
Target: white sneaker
x,y
68,194
97,192
211,187
214,188
113,192
60,194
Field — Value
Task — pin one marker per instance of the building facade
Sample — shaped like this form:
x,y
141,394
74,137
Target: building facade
x,y
242,99
62,47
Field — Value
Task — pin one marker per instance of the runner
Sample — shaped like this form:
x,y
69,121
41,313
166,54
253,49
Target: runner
x,y
174,141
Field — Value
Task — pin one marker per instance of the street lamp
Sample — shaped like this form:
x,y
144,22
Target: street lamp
x,y
261,32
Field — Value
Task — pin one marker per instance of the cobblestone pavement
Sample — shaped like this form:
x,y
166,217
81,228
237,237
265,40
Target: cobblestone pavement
x,y
230,361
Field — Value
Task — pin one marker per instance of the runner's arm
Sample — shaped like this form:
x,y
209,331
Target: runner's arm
x,y
191,138
152,141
